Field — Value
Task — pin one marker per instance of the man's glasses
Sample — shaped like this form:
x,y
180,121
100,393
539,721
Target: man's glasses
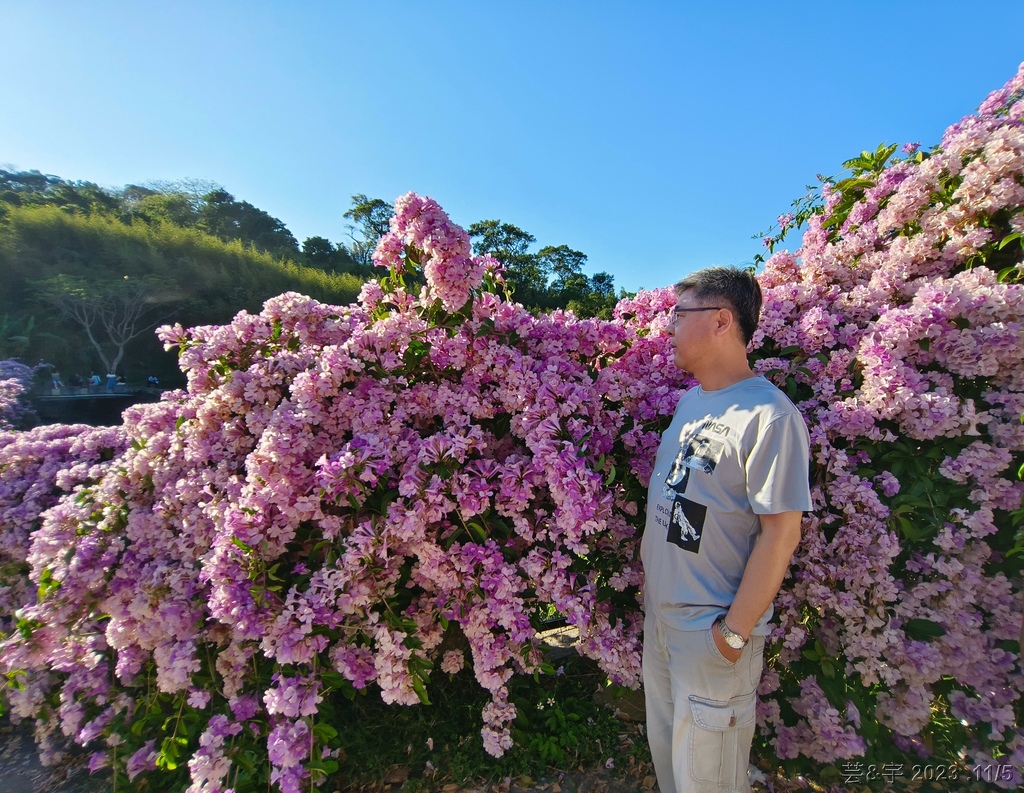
x,y
678,311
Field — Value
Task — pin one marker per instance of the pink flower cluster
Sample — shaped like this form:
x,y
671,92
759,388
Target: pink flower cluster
x,y
906,354
356,496
37,468
441,249
15,382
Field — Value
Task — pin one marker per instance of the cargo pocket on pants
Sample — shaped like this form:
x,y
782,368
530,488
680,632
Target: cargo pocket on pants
x,y
720,740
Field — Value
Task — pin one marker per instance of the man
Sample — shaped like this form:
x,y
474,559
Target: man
x,y
726,498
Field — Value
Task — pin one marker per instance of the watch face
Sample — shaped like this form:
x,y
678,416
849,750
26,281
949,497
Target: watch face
x,y
733,639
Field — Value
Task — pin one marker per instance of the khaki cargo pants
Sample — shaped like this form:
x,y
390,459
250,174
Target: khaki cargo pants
x,y
700,709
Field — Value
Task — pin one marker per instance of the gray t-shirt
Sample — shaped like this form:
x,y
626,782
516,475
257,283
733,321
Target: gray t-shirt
x,y
727,457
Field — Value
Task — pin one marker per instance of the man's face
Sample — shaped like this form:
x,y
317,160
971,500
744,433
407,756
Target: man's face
x,y
692,331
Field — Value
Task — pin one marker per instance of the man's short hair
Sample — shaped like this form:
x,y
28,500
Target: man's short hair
x,y
734,286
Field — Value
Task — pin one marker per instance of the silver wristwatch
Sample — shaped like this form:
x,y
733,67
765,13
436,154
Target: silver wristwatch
x,y
732,638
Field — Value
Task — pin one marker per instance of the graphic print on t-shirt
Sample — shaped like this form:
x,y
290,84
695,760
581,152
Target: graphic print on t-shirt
x,y
686,522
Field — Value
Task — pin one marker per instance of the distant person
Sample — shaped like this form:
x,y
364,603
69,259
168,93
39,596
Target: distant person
x,y
111,380
42,377
94,382
57,384
153,381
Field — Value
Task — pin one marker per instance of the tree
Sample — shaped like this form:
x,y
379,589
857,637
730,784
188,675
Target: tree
x,y
603,284
27,181
222,216
599,300
173,208
526,273
132,194
15,335
567,266
111,313
371,218
18,332
321,253
194,190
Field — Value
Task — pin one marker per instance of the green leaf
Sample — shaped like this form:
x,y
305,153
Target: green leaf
x,y
908,528
237,542
1009,273
247,760
26,627
168,757
47,584
921,629
853,185
1008,239
320,546
420,689
324,732
478,531
386,498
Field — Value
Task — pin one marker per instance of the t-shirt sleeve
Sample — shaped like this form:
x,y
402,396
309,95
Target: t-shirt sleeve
x,y
778,467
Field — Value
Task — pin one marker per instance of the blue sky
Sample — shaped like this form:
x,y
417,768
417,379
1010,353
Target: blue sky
x,y
655,137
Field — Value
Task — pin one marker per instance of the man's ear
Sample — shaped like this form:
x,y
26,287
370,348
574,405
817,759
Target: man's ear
x,y
727,324
725,321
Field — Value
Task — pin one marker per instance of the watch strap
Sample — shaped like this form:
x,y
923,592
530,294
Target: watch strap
x,y
732,638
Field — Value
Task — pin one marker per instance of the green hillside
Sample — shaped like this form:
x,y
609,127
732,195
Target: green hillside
x,y
86,250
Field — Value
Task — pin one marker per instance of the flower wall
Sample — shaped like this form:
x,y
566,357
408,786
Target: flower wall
x,y
344,497
897,327
372,495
